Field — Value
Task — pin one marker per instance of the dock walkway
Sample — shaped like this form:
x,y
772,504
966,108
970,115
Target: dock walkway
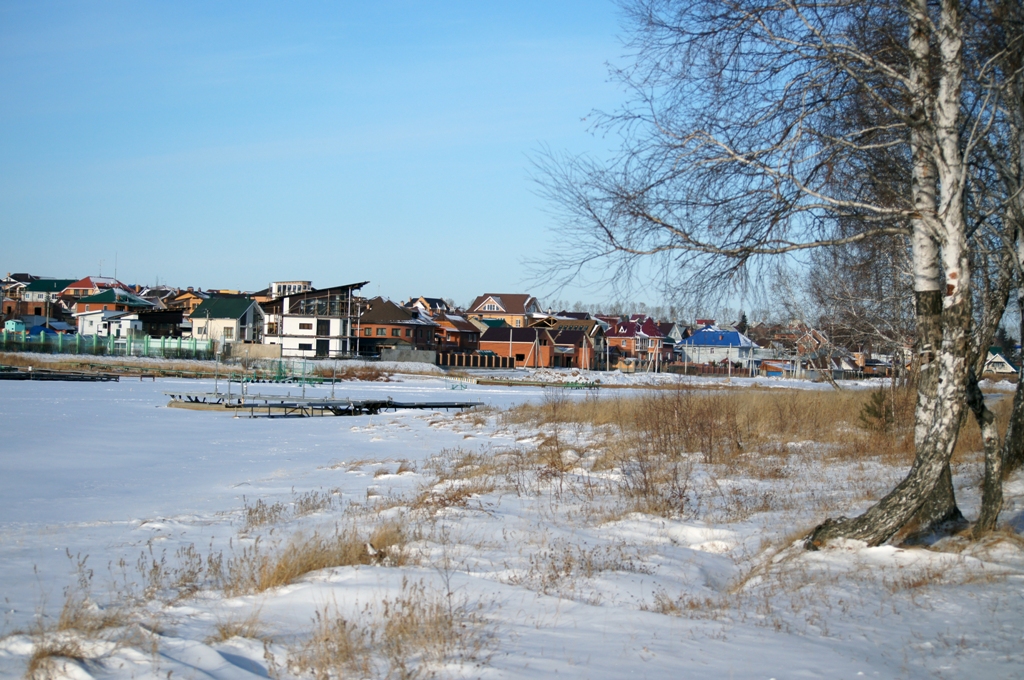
x,y
279,406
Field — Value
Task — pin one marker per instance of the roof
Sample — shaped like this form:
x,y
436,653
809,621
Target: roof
x,y
458,323
386,311
510,303
713,336
96,282
634,328
222,308
20,277
117,296
48,285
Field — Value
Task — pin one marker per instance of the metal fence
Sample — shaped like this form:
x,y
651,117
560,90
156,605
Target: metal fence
x,y
140,346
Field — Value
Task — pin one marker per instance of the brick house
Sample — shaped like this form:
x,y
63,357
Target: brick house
x,y
455,334
515,309
639,338
529,347
387,325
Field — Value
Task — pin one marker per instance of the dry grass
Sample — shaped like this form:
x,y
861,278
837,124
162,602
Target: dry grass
x,y
45,662
407,636
256,569
346,372
241,626
261,513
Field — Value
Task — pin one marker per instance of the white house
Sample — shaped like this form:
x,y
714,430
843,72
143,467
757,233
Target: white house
x,y
228,320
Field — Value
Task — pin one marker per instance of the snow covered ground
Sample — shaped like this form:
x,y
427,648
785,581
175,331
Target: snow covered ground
x,y
110,500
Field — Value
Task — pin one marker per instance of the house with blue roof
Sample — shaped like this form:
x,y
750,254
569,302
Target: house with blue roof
x,y
711,345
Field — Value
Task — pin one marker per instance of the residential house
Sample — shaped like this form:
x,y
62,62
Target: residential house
x,y
529,347
92,285
42,297
455,334
314,322
515,309
12,286
574,347
228,320
188,300
711,344
386,324
112,299
997,365
94,312
432,306
638,338
579,340
162,297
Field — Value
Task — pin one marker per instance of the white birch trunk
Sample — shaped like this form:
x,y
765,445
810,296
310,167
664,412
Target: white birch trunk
x,y
943,311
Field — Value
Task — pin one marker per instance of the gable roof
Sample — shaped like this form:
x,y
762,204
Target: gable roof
x,y
96,282
509,303
385,311
47,285
642,327
117,296
457,323
222,308
713,336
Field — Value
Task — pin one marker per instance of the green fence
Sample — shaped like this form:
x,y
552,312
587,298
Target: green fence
x,y
139,346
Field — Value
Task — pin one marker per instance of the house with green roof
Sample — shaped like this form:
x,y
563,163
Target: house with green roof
x,y
227,320
41,295
94,312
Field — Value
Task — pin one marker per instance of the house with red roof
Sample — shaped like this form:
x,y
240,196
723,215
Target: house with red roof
x,y
639,338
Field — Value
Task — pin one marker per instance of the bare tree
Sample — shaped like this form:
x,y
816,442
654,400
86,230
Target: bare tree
x,y
740,144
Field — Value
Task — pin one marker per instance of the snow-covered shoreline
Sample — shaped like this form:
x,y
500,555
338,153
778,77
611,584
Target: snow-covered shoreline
x,y
563,580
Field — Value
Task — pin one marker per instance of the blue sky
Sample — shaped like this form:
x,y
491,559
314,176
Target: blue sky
x,y
226,145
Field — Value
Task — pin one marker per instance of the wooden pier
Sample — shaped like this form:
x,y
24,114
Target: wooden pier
x,y
7,373
278,406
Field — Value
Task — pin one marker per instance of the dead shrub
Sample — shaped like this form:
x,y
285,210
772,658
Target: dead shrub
x,y
261,513
315,501
346,372
257,569
45,662
335,649
247,626
402,637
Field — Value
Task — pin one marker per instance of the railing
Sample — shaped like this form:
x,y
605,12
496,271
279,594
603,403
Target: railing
x,y
138,346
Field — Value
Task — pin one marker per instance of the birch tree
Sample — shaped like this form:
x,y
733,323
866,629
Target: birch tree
x,y
739,144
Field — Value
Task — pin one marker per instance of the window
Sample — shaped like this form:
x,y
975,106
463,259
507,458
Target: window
x,y
367,331
491,307
272,328
520,357
305,345
229,333
408,332
519,322
396,332
306,326
382,331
